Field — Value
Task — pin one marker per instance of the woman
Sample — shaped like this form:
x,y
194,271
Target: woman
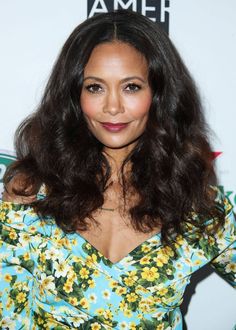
x,y
128,209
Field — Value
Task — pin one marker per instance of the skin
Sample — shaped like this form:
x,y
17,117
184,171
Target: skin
x,y
115,90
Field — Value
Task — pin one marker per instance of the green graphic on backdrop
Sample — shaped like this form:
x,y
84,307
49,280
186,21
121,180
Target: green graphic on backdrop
x,y
5,159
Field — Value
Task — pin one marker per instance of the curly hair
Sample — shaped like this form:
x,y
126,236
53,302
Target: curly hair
x,y
171,165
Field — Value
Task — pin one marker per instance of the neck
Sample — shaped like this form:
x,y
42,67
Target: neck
x,y
116,158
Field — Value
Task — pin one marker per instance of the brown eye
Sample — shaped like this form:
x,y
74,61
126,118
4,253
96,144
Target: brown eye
x,y
94,88
132,88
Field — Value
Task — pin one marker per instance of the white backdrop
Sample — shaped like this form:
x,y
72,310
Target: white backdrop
x,y
31,35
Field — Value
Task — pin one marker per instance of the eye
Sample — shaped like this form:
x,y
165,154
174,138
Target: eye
x,y
94,88
132,87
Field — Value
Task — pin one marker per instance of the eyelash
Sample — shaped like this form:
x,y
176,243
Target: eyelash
x,y
90,88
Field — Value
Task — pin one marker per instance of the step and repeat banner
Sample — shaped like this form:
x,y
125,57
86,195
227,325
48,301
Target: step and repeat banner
x,y
204,32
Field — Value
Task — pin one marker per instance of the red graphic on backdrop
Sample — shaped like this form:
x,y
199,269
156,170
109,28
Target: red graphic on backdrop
x,y
216,154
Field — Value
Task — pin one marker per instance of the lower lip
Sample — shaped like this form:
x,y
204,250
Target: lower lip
x,y
114,128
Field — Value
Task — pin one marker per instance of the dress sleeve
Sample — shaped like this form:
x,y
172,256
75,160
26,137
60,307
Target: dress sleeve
x,y
17,266
225,262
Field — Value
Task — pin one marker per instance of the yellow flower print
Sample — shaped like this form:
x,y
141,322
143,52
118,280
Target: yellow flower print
x,y
84,303
71,276
162,291
131,297
160,327
179,239
132,273
73,301
120,290
128,313
145,308
57,232
66,243
84,273
32,229
123,305
96,273
40,320
161,260
77,259
7,278
167,251
141,289
91,283
129,281
42,258
211,240
26,256
68,287
95,326
2,216
91,260
145,248
197,262
157,300
100,311
9,304
13,235
113,284
21,297
132,326
145,260
107,314
150,274
74,242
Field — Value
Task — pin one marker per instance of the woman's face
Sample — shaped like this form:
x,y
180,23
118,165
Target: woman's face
x,y
116,96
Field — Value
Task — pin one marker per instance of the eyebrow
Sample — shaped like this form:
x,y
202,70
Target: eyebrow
x,y
122,80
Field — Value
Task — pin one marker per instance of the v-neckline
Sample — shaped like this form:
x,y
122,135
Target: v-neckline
x,y
120,261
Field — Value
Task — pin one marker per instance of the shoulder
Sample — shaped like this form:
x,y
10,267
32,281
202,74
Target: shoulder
x,y
222,201
214,236
18,220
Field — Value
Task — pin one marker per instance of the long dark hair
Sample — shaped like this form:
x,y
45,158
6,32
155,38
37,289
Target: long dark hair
x,y
172,166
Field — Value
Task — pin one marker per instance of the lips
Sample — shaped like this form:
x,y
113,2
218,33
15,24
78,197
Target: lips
x,y
114,127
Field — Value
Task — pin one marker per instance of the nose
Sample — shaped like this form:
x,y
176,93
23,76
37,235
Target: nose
x,y
113,103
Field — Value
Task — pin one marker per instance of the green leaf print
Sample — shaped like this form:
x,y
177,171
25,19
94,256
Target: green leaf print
x,y
29,265
148,325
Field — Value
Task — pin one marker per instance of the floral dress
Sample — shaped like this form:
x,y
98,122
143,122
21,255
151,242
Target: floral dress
x,y
53,280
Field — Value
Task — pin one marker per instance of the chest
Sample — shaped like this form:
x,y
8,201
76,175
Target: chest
x,y
113,236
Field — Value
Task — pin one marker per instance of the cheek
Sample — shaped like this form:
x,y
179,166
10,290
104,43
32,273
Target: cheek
x,y
88,105
140,106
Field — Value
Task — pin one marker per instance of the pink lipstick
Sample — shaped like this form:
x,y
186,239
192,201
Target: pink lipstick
x,y
114,127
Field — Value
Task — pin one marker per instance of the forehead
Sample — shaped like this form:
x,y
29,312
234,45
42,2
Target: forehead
x,y
116,57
